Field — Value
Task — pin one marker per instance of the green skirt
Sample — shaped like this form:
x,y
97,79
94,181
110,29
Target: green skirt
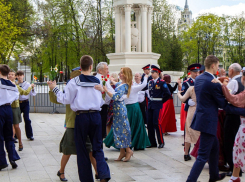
x,y
139,136
16,115
67,143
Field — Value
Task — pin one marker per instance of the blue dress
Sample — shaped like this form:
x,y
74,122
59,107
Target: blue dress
x,y
121,127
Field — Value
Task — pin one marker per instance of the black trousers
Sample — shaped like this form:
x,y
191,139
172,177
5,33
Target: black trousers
x,y
143,110
103,113
231,126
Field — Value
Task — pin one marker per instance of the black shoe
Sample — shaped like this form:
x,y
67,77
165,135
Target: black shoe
x,y
152,146
20,147
13,164
183,144
187,157
61,179
97,176
221,176
3,166
161,145
31,138
15,140
105,180
106,158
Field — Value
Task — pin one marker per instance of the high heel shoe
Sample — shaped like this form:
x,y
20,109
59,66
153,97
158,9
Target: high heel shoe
x,y
128,156
61,179
20,147
120,157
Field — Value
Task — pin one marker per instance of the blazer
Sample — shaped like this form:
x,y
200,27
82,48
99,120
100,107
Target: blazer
x,y
209,98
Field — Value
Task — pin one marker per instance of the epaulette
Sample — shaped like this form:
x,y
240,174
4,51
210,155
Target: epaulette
x,y
162,80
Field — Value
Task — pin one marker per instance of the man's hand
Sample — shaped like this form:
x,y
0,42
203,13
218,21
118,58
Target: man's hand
x,y
32,85
99,87
146,76
51,84
179,81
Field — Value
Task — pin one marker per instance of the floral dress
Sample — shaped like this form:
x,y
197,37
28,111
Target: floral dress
x,y
121,127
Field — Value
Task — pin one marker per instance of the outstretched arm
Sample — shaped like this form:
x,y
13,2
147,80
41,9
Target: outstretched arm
x,y
186,96
236,100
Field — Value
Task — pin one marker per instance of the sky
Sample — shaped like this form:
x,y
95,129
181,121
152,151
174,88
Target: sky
x,y
219,7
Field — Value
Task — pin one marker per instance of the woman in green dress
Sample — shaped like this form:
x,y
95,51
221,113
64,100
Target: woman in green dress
x,y
139,135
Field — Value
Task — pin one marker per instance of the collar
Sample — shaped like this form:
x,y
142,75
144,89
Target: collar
x,y
235,77
156,80
210,74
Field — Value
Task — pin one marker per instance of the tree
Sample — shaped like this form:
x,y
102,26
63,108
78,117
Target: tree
x,y
9,30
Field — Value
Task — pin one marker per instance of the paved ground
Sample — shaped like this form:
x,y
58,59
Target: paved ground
x,y
40,158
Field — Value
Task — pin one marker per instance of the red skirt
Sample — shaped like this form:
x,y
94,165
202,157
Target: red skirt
x,y
194,152
167,117
183,115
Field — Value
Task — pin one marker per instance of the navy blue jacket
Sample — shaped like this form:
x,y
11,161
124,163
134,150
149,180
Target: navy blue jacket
x,y
158,90
184,88
209,98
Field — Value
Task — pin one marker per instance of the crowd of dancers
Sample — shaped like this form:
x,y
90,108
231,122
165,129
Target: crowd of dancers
x,y
132,116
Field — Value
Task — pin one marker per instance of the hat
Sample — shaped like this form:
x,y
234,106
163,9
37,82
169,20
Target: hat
x,y
194,67
202,68
147,67
155,68
77,68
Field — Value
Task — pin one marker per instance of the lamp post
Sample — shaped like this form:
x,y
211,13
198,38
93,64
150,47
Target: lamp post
x,y
41,72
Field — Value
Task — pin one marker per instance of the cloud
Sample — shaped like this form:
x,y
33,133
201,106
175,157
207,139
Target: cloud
x,y
226,10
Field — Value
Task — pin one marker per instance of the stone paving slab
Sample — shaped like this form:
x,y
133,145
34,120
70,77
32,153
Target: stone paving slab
x,y
40,158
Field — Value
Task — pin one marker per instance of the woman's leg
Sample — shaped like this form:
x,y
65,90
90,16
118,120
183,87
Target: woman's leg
x,y
108,128
122,154
235,174
93,162
129,154
187,148
64,160
13,131
18,134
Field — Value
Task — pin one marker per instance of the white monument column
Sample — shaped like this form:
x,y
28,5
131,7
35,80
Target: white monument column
x,y
122,29
117,30
144,27
149,30
138,26
127,8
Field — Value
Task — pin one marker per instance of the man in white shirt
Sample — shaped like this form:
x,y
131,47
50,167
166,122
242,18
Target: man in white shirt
x,y
24,104
232,121
141,96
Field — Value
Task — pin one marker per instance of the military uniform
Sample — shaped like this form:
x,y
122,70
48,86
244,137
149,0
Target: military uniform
x,y
159,93
186,84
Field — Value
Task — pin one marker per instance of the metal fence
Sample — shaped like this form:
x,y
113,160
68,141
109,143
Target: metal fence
x,y
41,102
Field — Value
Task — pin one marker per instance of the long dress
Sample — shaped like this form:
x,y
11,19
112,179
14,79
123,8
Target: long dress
x,y
183,115
239,145
167,118
139,135
120,127
191,136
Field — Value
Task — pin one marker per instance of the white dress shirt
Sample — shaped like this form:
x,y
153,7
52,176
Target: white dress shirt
x,y
8,94
233,85
25,85
133,97
108,86
80,97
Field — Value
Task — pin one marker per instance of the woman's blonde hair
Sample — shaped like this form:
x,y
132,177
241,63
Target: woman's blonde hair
x,y
127,72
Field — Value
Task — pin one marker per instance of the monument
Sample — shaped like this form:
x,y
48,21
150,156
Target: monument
x,y
133,39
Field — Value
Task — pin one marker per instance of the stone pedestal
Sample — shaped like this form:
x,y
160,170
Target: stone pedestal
x,y
133,60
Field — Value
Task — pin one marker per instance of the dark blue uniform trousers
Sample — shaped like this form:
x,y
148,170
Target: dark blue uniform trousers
x,y
153,125
208,151
89,124
25,109
6,135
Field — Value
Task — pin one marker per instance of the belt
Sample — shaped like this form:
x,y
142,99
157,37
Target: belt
x,y
156,99
21,101
8,104
84,111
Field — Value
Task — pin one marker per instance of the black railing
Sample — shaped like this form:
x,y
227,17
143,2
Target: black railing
x,y
41,102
